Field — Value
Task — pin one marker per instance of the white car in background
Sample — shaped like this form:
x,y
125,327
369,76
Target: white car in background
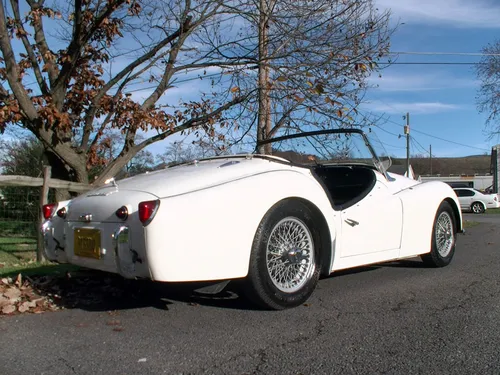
x,y
475,201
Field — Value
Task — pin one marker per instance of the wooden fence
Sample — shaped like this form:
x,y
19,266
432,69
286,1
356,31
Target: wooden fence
x,y
46,183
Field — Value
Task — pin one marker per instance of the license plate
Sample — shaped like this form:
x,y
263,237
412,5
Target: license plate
x,y
87,243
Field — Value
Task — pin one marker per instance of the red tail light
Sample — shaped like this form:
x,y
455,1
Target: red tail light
x,y
62,213
48,210
147,211
122,213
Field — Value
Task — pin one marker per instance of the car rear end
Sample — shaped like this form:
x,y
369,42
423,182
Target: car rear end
x,y
102,230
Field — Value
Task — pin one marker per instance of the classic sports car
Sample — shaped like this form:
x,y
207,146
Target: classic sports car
x,y
277,223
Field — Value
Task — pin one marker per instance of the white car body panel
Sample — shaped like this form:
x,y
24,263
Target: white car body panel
x,y
210,210
206,252
380,212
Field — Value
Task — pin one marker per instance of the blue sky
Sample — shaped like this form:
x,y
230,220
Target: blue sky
x,y
440,98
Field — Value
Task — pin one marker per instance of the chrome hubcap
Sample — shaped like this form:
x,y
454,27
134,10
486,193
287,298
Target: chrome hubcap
x,y
476,208
290,255
445,238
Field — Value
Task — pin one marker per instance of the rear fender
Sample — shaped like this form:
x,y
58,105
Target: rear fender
x,y
208,234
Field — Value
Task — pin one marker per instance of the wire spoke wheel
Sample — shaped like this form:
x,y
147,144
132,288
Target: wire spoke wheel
x,y
445,237
290,255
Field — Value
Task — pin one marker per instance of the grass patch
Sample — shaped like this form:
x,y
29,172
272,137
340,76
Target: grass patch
x,y
493,211
38,269
470,224
18,244
8,258
13,262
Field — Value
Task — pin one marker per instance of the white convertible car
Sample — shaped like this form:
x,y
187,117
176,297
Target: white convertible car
x,y
323,202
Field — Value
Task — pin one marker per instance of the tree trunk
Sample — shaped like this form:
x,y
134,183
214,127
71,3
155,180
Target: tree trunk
x,y
264,119
62,170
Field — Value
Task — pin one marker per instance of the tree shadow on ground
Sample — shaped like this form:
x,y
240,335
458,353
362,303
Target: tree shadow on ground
x,y
100,291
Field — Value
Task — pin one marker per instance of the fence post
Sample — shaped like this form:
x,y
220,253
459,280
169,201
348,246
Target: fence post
x,y
44,197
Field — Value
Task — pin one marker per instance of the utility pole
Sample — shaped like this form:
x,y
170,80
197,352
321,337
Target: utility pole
x,y
430,155
407,132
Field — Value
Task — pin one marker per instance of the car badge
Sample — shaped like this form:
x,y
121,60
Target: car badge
x,y
86,217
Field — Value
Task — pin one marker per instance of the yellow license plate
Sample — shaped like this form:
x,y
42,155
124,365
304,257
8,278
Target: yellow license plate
x,y
87,243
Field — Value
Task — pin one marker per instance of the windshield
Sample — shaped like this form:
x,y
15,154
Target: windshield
x,y
331,147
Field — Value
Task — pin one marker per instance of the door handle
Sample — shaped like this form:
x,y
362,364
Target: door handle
x,y
351,222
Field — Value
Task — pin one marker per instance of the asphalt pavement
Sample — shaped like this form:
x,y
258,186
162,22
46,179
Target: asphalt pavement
x,y
482,218
397,318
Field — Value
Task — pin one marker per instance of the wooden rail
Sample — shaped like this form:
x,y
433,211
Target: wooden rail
x,y
46,182
38,181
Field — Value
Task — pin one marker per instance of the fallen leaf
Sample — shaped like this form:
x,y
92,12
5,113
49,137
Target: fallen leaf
x,y
113,323
12,294
19,280
9,309
118,329
4,301
23,307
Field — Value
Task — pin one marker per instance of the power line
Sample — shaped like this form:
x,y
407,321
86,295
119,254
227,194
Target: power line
x,y
432,63
436,137
386,131
417,145
444,53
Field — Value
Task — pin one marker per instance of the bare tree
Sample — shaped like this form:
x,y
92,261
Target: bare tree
x,y
313,61
488,98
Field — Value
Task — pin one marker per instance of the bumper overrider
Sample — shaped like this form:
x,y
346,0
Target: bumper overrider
x,y
126,258
53,248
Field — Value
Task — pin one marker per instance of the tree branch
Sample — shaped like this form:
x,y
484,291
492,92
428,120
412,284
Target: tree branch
x,y
75,48
43,47
29,49
13,70
129,150
88,126
145,57
192,122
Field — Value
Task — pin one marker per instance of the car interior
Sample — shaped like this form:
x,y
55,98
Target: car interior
x,y
345,185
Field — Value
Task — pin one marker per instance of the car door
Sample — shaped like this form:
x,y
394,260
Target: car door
x,y
462,199
468,198
374,224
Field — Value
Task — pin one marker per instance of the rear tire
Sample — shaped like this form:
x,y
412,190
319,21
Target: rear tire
x,y
285,259
444,234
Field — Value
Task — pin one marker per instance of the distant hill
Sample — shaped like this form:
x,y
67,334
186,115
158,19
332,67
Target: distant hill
x,y
468,165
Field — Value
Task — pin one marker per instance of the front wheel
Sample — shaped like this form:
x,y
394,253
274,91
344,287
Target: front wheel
x,y
444,234
477,208
284,263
